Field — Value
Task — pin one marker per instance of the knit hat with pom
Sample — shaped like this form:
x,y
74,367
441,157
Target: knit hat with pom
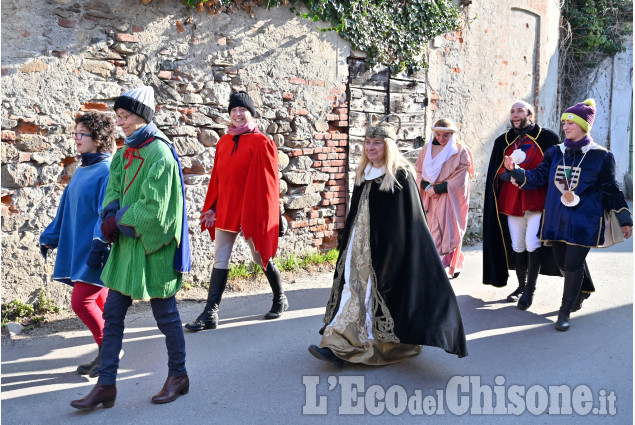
x,y
582,114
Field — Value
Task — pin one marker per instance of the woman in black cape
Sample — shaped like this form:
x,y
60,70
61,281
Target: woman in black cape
x,y
390,294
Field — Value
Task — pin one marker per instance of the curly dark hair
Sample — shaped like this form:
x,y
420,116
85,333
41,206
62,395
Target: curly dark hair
x,y
102,129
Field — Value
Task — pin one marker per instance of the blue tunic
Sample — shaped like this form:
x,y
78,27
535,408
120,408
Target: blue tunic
x,y
77,223
590,173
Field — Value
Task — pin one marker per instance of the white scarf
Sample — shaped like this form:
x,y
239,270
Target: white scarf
x,y
371,172
432,166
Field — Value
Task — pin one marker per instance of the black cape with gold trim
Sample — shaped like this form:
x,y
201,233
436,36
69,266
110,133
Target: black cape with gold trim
x,y
498,255
410,276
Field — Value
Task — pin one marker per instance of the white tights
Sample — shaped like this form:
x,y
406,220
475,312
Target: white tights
x,y
524,231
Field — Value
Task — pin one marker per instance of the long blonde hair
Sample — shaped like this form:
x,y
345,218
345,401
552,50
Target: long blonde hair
x,y
394,158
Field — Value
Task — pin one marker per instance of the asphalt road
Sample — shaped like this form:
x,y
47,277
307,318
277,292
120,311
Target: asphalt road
x,y
251,371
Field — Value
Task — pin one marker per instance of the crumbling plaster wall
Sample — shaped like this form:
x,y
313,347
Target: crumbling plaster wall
x,y
506,50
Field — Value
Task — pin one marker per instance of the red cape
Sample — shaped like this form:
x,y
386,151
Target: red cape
x,y
244,191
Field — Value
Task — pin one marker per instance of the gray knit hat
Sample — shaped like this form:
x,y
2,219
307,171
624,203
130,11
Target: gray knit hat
x,y
139,101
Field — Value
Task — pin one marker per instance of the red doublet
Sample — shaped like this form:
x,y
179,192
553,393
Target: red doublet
x,y
244,190
511,199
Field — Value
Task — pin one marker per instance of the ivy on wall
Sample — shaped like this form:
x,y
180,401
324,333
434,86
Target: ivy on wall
x,y
591,31
391,32
595,29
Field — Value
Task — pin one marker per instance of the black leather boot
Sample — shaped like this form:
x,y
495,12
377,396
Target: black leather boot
x,y
533,269
208,319
578,302
280,302
521,274
94,371
84,369
572,285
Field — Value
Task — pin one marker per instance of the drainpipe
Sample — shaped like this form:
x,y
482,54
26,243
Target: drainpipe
x,y
608,141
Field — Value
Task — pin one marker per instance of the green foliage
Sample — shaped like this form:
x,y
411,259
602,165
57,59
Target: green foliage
x,y
238,271
15,310
317,258
391,32
18,311
288,264
331,256
43,304
597,29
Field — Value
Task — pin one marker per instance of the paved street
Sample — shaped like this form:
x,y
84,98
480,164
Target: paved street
x,y
251,371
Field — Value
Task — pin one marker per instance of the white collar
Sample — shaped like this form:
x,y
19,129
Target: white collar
x,y
584,148
371,172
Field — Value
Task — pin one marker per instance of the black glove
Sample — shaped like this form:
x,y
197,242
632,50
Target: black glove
x,y
506,176
440,188
98,255
44,250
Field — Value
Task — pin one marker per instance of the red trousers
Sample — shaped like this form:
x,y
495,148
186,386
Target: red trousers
x,y
88,303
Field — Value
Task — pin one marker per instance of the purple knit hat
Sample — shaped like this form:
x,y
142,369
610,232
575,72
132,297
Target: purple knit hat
x,y
582,113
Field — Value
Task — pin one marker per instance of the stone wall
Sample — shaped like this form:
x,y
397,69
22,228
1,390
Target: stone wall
x,y
66,57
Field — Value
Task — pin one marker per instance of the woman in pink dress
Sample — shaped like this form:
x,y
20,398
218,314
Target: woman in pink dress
x,y
444,168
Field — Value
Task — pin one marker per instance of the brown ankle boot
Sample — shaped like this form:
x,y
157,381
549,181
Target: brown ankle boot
x,y
100,394
173,387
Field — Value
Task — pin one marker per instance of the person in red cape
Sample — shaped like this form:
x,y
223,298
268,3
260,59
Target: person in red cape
x,y
243,195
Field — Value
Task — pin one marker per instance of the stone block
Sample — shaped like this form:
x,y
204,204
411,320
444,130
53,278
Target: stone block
x,y
187,146
48,157
278,139
283,160
192,98
298,177
34,66
98,67
300,163
105,91
66,23
51,174
32,143
296,202
216,93
9,152
181,130
199,119
208,137
283,187
18,175
126,38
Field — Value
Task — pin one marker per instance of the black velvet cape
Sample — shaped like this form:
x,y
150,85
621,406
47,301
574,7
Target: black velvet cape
x,y
498,255
410,276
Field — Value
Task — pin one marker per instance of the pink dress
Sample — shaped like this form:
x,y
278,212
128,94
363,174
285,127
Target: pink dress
x,y
447,212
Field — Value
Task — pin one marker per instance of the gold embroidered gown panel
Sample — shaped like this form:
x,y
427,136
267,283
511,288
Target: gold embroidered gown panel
x,y
350,333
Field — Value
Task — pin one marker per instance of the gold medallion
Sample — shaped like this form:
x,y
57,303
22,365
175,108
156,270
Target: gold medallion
x,y
569,196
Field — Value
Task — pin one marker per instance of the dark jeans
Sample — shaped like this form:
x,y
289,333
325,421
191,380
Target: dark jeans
x,y
569,258
168,321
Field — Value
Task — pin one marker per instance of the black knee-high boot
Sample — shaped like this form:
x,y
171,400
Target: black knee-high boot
x,y
521,274
280,302
208,319
572,285
533,269
583,295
